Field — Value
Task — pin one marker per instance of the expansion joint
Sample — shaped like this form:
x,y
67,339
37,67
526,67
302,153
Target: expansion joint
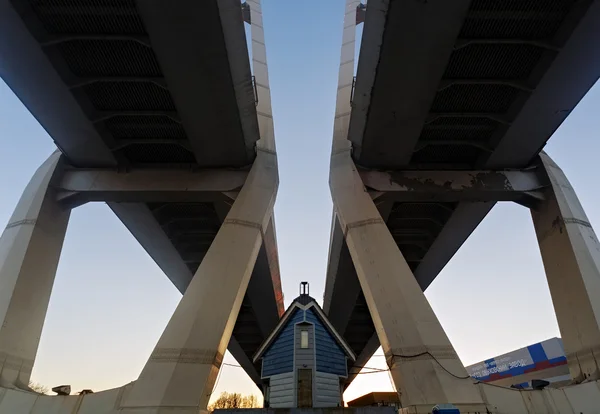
x,y
246,223
187,356
362,223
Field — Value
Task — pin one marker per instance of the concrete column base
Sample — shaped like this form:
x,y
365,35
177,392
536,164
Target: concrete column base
x,y
163,410
30,248
581,398
571,255
463,408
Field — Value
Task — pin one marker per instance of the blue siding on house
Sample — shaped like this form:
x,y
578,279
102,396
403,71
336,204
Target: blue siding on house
x,y
331,358
279,358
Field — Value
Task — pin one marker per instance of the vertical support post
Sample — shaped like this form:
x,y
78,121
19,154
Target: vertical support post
x,y
343,105
181,371
341,122
30,249
266,128
270,242
571,255
424,366
261,76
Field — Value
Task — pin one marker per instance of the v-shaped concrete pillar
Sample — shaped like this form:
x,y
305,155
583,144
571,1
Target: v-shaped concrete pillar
x,y
30,248
571,255
416,347
181,372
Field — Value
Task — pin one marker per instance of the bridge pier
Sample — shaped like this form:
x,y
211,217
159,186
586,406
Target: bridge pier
x,y
181,372
571,255
423,363
30,249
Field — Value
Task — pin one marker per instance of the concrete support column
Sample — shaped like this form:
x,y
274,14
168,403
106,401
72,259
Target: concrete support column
x,y
260,70
180,375
424,366
343,105
30,248
571,255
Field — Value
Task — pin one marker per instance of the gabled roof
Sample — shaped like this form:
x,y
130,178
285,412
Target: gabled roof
x,y
303,302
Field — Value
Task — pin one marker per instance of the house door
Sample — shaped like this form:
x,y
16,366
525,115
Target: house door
x,y
305,388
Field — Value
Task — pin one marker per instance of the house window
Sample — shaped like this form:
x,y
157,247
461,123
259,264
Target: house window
x,y
304,339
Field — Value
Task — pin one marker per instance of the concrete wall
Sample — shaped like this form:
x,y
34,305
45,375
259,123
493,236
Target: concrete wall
x,y
23,402
575,399
361,410
282,390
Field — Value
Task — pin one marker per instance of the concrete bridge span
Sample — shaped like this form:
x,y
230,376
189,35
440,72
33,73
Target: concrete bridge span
x,y
447,114
157,110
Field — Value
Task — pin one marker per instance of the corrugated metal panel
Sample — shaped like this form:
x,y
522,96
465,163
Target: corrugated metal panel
x,y
459,129
109,58
329,355
89,16
282,388
158,153
327,390
279,357
474,98
447,154
515,19
123,96
305,358
500,61
145,127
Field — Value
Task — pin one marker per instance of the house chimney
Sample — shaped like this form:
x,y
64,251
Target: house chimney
x,y
304,288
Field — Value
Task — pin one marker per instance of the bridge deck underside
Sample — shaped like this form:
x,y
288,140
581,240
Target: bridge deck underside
x,y
501,53
126,84
489,99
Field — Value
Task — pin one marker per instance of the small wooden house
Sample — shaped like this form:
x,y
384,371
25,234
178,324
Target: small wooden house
x,y
304,360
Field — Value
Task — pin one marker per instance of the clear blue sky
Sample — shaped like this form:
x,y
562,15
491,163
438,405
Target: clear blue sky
x,y
111,302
